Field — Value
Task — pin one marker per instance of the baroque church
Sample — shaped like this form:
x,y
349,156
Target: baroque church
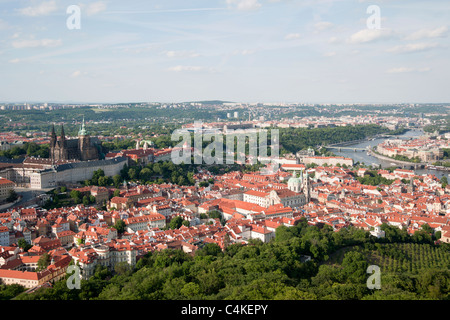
x,y
296,195
83,148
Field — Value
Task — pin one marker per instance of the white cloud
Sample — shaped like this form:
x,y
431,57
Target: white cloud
x,y
186,68
36,43
329,54
181,54
407,70
370,35
43,9
323,25
292,36
334,40
244,4
76,74
95,7
14,60
247,52
412,47
244,52
440,32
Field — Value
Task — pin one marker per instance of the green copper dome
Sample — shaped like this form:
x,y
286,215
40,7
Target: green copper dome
x,y
82,131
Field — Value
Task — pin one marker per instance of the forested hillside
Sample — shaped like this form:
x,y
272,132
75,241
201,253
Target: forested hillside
x,y
412,267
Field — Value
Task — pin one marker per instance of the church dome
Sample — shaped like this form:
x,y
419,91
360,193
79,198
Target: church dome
x,y
294,180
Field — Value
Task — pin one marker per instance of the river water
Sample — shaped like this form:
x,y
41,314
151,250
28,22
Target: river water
x,y
363,157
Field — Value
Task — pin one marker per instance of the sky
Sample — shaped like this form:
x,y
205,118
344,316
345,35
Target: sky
x,y
278,51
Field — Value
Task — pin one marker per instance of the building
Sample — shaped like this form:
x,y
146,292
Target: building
x,y
101,195
331,161
258,197
30,279
145,222
74,172
83,148
107,255
4,236
5,187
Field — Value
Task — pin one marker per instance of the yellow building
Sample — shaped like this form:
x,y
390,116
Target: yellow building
x,y
5,186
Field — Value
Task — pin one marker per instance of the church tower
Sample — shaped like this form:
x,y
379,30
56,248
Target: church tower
x,y
307,188
411,187
53,140
53,137
63,154
87,151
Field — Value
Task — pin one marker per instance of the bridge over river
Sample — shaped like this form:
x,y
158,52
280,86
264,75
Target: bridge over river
x,y
347,148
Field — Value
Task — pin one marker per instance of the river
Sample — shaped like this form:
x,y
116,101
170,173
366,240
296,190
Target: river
x,y
363,157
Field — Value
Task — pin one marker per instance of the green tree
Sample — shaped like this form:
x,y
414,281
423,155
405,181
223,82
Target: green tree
x,y
8,292
103,181
22,243
122,268
210,249
117,179
85,200
43,262
145,174
186,223
355,266
116,193
444,181
176,222
75,194
120,226
132,173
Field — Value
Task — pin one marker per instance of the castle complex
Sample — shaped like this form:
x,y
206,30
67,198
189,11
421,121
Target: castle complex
x,y
83,148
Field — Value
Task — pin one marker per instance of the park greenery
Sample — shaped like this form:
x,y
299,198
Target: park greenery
x,y
372,178
30,149
164,172
61,198
412,267
295,139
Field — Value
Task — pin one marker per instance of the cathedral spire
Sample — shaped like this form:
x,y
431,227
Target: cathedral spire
x,y
53,136
63,135
82,131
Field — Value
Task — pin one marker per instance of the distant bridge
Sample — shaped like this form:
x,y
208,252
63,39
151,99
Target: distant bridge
x,y
347,148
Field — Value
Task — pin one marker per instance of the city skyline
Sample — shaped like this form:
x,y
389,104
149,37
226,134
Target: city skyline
x,y
233,50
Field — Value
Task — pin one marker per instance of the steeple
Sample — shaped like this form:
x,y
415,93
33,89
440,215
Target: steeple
x,y
53,140
82,131
307,187
53,136
63,135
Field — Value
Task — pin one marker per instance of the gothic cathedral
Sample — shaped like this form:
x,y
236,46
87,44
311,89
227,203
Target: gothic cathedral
x,y
83,148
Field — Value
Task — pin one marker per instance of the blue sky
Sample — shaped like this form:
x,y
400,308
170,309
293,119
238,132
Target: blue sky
x,y
238,50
